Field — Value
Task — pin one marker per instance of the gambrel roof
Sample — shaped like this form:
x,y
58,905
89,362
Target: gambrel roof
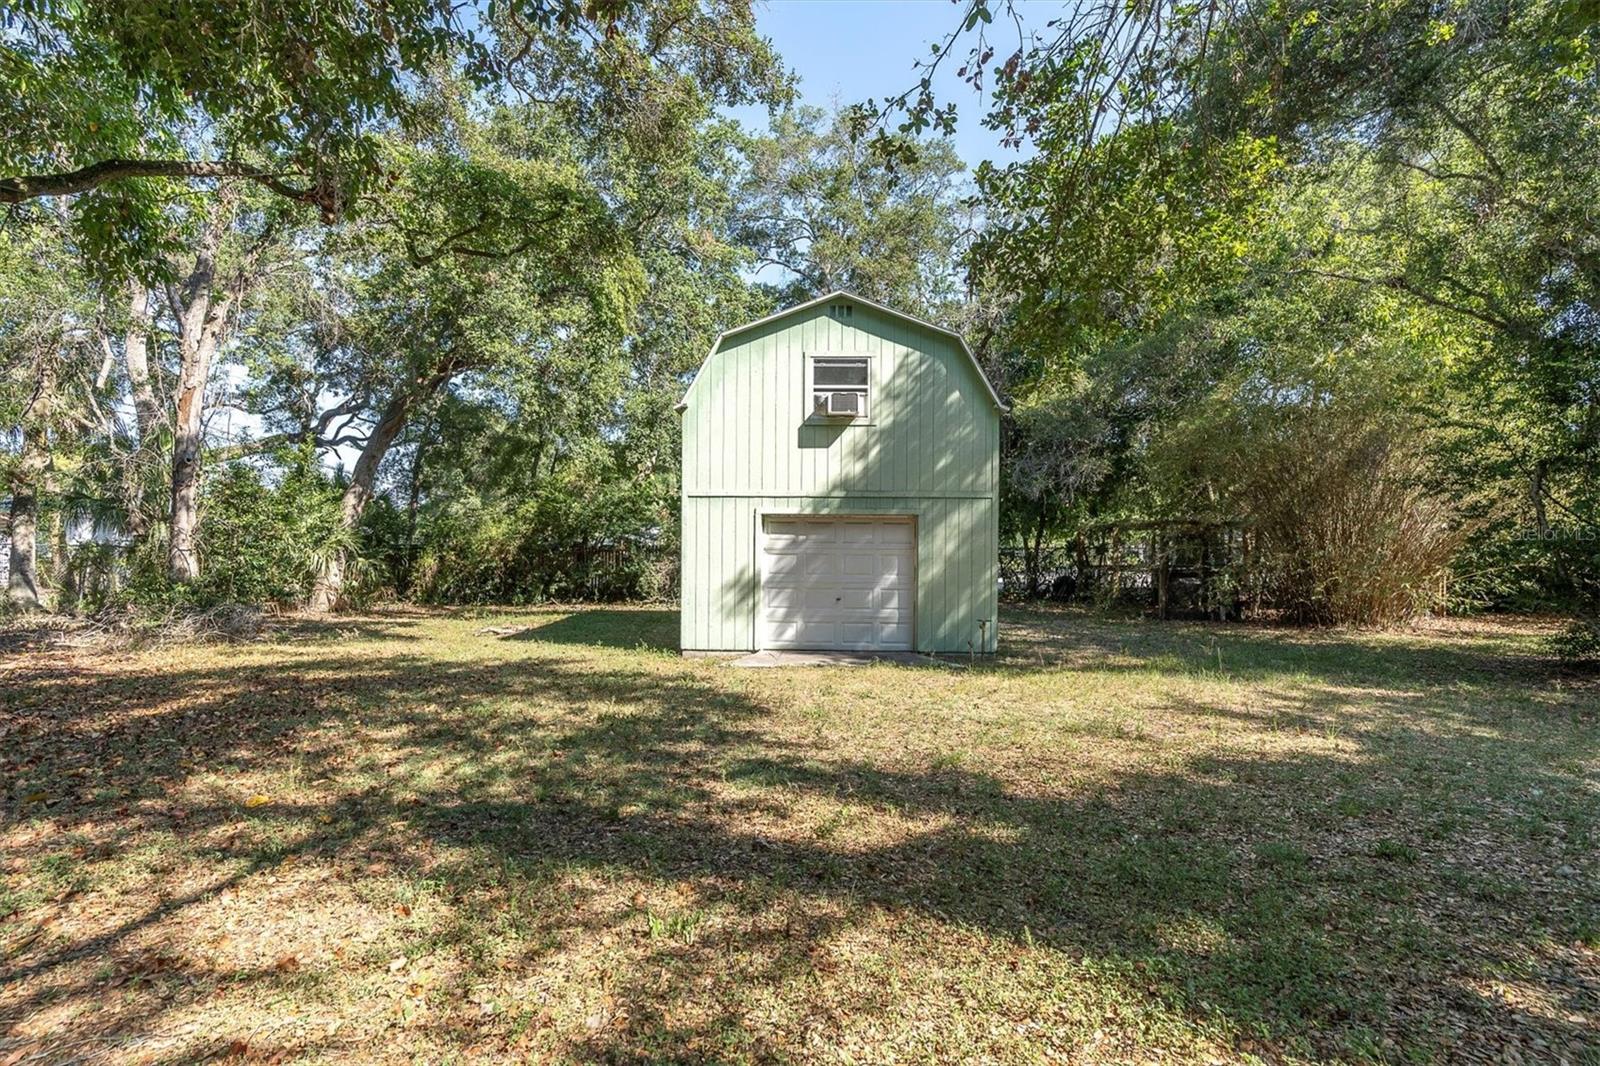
x,y
843,294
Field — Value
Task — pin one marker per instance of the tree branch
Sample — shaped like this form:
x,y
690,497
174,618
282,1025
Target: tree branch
x,y
1477,142
241,449
16,190
1400,284
350,409
452,245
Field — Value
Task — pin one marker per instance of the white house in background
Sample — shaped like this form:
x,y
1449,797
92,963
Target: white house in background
x,y
80,530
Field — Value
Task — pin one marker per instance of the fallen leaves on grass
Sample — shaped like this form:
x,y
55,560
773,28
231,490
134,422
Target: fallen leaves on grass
x,y
611,856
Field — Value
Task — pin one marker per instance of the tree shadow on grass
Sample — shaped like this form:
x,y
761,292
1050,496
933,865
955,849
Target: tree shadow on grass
x,y
635,628
1293,898
1052,638
396,626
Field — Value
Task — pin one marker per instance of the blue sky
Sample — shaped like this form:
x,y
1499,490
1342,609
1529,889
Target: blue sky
x,y
848,50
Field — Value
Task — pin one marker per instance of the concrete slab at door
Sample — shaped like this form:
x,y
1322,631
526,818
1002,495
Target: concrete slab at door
x,y
774,658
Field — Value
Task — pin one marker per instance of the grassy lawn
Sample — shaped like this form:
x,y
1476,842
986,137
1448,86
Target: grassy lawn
x,y
401,838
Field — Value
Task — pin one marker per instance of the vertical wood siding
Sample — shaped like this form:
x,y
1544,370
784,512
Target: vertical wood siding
x,y
930,447
956,566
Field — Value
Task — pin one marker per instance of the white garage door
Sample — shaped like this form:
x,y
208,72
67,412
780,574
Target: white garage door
x,y
843,583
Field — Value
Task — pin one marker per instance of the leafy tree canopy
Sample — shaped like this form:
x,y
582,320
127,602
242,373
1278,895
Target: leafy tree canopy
x,y
829,211
112,102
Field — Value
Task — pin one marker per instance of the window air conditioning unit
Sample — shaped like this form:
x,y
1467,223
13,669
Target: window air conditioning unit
x,y
838,404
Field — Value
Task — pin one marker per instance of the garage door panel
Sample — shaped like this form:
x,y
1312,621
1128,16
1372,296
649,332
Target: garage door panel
x,y
858,634
899,533
780,631
861,565
856,599
821,565
892,599
894,633
820,601
793,612
799,531
783,565
837,583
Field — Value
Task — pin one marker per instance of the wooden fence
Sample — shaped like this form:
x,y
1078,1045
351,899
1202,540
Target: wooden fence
x,y
1189,567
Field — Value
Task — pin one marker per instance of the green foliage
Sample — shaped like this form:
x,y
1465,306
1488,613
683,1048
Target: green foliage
x,y
574,539
528,237
264,538
116,103
1303,413
1390,202
1501,566
1325,271
828,211
1118,235
265,542
1579,643
384,553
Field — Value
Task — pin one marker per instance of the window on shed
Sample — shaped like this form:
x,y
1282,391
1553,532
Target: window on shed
x,y
839,387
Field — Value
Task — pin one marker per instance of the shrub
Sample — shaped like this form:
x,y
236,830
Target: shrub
x,y
1579,643
1349,532
1335,493
261,541
569,541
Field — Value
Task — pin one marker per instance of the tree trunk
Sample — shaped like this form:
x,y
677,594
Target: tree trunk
x,y
1536,497
146,409
62,563
1035,561
330,582
1080,556
136,354
183,564
23,588
402,580
203,319
1116,563
59,549
1162,558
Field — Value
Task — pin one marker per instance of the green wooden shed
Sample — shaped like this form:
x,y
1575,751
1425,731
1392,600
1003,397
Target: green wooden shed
x,y
841,467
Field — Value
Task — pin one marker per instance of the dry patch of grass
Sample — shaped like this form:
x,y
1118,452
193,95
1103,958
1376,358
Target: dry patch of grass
x,y
405,838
